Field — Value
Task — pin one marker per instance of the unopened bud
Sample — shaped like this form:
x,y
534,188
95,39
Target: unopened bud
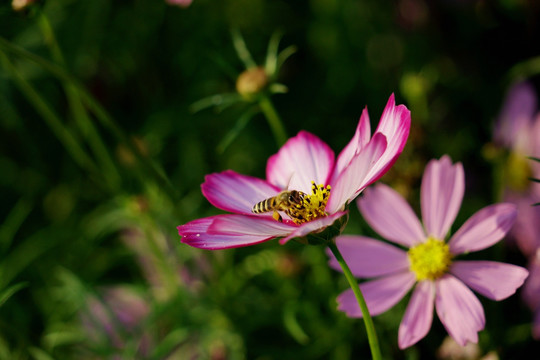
x,y
251,82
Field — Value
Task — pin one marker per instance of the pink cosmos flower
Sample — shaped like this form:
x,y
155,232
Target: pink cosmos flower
x,y
442,282
305,164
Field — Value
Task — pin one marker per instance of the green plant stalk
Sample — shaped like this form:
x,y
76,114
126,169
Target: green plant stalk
x,y
78,111
273,120
51,119
370,328
96,108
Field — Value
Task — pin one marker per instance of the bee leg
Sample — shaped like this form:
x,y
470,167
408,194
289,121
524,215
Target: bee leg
x,y
277,217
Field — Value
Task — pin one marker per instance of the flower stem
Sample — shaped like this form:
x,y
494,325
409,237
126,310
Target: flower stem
x,y
273,120
370,329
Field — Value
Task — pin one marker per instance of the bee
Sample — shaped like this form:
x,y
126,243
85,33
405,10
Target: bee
x,y
291,202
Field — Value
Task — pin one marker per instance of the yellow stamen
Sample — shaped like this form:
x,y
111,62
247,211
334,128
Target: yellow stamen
x,y
430,260
313,206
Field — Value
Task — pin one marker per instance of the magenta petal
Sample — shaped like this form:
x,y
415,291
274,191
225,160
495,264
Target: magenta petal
x,y
367,257
492,279
250,225
418,316
390,215
234,192
484,228
459,310
352,180
380,295
395,125
442,191
360,139
197,234
303,159
313,226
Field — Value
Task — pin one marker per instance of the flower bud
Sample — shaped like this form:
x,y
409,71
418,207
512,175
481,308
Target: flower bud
x,y
251,82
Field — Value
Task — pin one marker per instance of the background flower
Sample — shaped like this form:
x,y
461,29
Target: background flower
x,y
442,283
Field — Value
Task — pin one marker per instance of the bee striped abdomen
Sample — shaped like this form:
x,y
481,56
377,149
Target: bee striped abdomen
x,y
264,206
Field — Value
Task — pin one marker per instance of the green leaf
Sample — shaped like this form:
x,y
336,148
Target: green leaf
x,y
7,293
241,49
238,127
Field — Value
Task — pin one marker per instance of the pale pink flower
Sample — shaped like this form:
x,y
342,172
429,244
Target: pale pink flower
x,y
117,319
442,282
304,161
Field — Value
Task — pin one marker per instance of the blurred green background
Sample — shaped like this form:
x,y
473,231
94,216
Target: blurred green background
x,y
102,156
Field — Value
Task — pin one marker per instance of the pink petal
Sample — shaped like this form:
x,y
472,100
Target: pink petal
x,y
353,178
395,125
418,316
390,215
494,280
314,226
181,3
516,115
531,289
442,191
484,228
197,234
358,142
527,226
367,257
234,192
303,159
459,310
380,295
536,325
250,225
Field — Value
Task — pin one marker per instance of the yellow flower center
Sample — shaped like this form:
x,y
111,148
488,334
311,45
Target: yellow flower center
x,y
430,260
312,206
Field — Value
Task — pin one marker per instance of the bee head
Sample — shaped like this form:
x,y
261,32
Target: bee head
x,y
296,197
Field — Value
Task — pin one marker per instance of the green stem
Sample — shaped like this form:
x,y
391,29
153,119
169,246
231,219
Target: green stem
x,y
372,335
53,121
273,120
78,111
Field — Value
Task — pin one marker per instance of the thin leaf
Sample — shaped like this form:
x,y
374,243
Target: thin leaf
x,y
70,142
39,354
241,49
284,55
13,222
218,100
101,114
238,127
533,158
10,291
169,343
272,54
293,326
